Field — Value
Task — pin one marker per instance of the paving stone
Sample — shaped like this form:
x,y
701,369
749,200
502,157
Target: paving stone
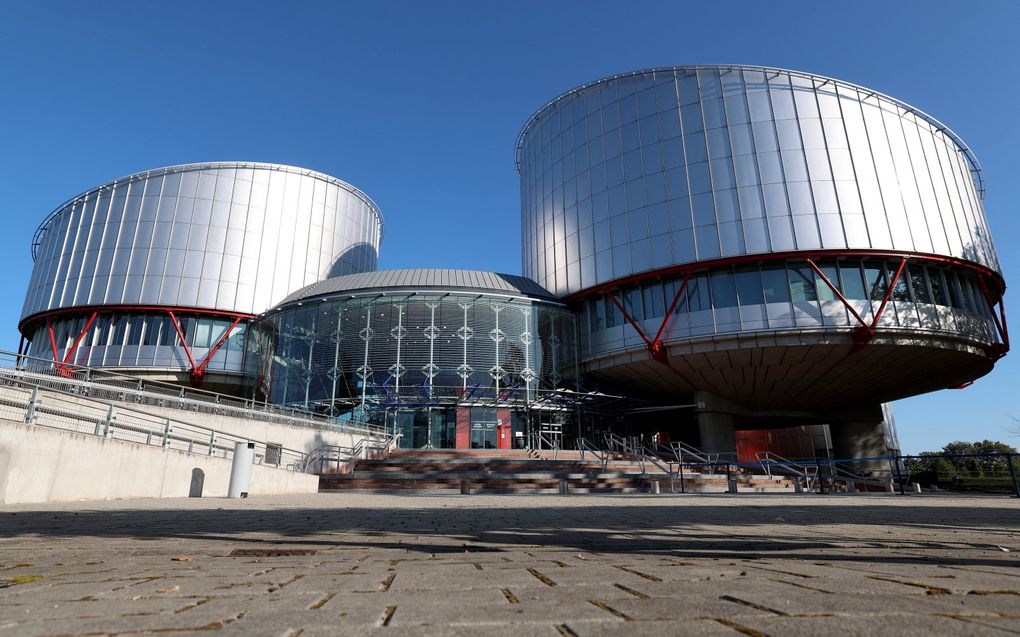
x,y
514,565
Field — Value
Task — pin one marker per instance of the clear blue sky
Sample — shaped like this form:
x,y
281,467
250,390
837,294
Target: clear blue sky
x,y
419,105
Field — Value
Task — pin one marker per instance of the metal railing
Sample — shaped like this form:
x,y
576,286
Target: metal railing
x,y
799,468
39,405
694,454
110,385
585,446
619,444
334,458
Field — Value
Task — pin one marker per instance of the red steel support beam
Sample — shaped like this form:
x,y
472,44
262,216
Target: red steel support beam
x,y
864,333
1002,321
200,370
77,341
672,306
184,341
888,294
630,320
836,291
53,342
999,349
655,346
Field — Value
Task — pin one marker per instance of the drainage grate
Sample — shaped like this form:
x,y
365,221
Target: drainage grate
x,y
270,552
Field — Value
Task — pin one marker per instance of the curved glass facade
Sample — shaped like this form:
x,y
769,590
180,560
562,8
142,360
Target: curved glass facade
x,y
423,358
142,339
232,237
679,165
783,294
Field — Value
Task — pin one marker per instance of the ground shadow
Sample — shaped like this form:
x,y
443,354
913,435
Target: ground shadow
x,y
828,531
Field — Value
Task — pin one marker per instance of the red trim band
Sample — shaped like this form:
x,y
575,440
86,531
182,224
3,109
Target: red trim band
x,y
88,309
801,255
864,331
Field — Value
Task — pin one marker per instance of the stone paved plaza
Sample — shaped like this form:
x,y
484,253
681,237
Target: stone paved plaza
x,y
359,564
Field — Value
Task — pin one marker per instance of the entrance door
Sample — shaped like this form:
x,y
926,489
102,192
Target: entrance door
x,y
483,435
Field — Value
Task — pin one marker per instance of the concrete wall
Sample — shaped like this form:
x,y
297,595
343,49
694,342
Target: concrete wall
x,y
294,437
303,439
40,464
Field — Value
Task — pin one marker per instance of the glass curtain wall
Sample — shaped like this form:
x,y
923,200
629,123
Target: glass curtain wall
x,y
741,298
141,339
417,356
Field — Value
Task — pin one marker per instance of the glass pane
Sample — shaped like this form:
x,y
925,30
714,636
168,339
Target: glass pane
x,y
938,287
724,291
749,286
901,291
775,284
919,283
802,284
697,293
874,277
853,284
632,303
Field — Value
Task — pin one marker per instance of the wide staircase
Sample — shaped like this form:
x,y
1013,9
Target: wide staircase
x,y
531,471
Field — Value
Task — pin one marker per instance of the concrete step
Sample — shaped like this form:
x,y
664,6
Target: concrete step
x,y
520,471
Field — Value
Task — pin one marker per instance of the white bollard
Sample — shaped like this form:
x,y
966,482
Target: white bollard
x,y
240,470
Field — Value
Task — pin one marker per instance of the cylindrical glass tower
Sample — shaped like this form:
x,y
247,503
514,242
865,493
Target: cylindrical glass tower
x,y
752,227
161,271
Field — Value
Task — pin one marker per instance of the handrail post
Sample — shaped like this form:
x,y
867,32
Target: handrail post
x,y
166,433
682,486
33,404
895,470
108,425
212,442
1012,474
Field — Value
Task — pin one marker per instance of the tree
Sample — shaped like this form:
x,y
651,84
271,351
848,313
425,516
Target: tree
x,y
959,460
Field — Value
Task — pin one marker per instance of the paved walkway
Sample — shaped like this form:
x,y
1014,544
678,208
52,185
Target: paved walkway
x,y
356,564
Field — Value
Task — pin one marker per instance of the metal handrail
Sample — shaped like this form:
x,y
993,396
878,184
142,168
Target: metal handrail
x,y
125,388
806,470
652,456
703,457
618,444
49,407
585,446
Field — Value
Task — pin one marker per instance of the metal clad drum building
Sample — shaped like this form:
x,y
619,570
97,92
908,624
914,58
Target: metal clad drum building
x,y
779,239
119,268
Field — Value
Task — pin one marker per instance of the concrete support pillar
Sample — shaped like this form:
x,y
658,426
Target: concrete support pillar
x,y
717,432
862,437
716,422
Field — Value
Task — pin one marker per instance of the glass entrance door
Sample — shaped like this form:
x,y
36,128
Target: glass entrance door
x,y
483,435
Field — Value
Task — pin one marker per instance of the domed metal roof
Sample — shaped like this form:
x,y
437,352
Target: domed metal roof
x,y
424,280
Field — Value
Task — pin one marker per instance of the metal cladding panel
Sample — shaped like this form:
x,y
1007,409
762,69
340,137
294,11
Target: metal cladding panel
x,y
684,164
233,237
423,279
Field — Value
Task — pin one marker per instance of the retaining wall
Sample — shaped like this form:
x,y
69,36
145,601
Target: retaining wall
x,y
40,464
